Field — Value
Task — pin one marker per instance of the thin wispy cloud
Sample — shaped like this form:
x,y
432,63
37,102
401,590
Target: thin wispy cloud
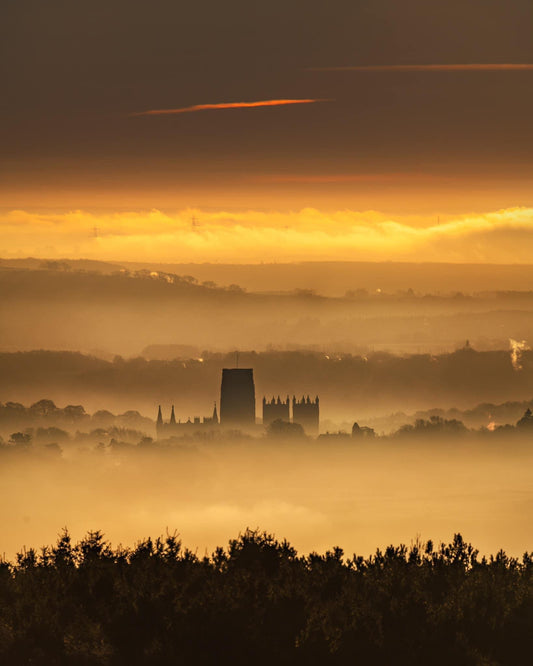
x,y
465,67
227,105
393,177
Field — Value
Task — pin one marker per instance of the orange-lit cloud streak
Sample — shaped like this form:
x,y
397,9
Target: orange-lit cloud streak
x,y
392,177
504,236
465,67
228,105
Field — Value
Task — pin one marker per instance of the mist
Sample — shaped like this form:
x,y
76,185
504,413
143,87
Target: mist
x,y
56,308
355,495
120,341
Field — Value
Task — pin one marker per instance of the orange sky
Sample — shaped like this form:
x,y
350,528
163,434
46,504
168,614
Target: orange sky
x,y
192,235
119,106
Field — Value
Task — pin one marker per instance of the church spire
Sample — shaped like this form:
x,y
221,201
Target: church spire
x,y
172,416
215,415
159,417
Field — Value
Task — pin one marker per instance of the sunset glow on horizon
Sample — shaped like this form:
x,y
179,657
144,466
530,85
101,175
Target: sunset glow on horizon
x,y
196,235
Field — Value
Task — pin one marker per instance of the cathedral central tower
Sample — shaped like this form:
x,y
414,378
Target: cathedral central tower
x,y
237,397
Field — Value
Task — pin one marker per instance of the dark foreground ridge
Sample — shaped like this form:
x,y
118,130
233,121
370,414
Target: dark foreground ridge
x,y
259,602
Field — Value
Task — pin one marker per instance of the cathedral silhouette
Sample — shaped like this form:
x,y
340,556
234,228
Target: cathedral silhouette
x,y
237,410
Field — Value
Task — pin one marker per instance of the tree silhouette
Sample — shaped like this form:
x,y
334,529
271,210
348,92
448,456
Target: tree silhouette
x,y
526,422
259,601
20,438
281,428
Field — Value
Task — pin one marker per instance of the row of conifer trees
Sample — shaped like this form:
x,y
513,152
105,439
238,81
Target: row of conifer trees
x,y
257,601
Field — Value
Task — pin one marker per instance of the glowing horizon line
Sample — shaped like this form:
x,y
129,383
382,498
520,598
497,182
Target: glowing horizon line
x,y
227,105
465,67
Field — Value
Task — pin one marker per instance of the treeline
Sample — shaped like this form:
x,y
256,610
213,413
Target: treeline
x,y
56,280
335,278
476,417
45,417
346,383
258,601
437,427
114,437
127,311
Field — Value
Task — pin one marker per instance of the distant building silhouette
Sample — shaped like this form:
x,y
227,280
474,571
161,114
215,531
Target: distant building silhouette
x,y
362,431
237,397
306,413
237,410
177,429
275,410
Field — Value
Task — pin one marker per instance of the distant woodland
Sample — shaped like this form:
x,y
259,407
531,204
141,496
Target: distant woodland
x,y
328,278
151,337
350,386
44,427
125,311
257,601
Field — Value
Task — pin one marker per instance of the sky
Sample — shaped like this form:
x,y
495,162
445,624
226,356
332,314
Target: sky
x,y
393,121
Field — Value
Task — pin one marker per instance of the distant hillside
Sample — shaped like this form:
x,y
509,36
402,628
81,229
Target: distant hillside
x,y
62,285
482,415
327,278
61,264
336,278
124,312
350,387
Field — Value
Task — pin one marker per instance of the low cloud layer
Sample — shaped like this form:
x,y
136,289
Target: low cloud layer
x,y
504,236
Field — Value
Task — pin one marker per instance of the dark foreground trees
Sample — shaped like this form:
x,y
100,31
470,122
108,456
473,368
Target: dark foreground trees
x,y
259,602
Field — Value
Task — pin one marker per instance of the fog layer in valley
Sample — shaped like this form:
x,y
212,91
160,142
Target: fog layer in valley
x,y
356,495
153,337
126,313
